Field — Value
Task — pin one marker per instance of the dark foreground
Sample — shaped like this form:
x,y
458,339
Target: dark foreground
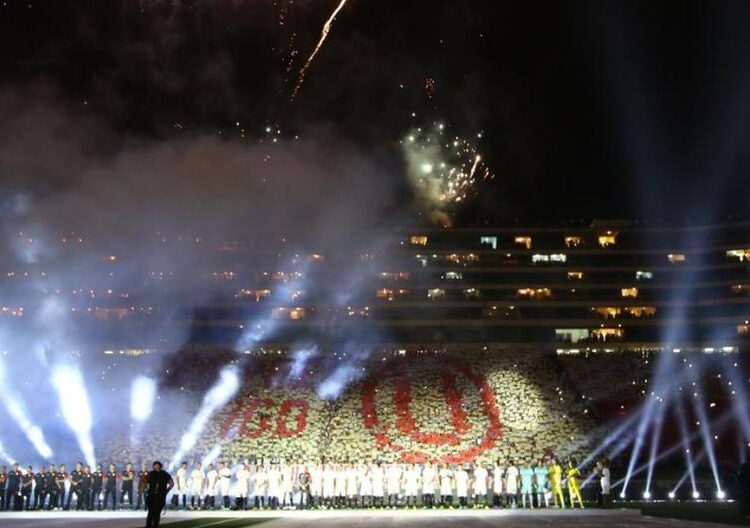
x,y
617,518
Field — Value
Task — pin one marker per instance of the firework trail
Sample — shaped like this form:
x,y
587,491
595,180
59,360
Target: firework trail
x,y
323,36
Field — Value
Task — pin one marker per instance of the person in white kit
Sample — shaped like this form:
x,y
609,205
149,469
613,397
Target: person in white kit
x,y
411,485
352,486
364,478
260,487
393,484
212,484
461,476
479,485
340,485
287,485
197,478
274,486
377,475
242,487
429,483
182,486
602,468
446,486
225,483
316,485
329,485
511,485
498,485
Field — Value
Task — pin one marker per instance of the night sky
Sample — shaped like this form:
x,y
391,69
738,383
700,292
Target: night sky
x,y
587,109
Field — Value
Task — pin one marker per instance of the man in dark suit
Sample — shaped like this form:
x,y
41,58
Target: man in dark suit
x,y
158,484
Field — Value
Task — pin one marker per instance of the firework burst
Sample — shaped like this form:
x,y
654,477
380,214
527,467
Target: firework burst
x,y
443,168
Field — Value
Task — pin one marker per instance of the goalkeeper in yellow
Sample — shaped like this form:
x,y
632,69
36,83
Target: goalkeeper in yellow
x,y
574,483
555,480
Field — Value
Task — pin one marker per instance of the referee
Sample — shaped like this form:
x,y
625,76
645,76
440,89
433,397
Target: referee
x,y
158,484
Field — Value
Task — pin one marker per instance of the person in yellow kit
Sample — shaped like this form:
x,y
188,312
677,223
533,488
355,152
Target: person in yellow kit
x,y
555,480
574,483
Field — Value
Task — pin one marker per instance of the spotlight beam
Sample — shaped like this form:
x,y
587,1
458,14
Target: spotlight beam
x,y
655,439
739,398
689,473
16,407
74,404
613,436
705,432
5,456
217,396
720,422
682,423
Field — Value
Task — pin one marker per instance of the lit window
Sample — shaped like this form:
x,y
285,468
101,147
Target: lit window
x,y
643,275
572,335
739,254
488,241
463,259
453,275
575,275
288,313
607,334
740,288
676,258
317,257
258,294
637,312
555,257
286,277
608,312
395,276
629,292
608,238
743,329
435,293
295,314
524,241
418,240
17,311
535,293
573,241
471,293
384,293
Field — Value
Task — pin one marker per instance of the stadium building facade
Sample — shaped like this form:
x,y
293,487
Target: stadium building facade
x,y
608,286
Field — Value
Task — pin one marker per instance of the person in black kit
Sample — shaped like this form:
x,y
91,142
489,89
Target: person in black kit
x,y
110,486
14,487
60,478
27,480
75,485
159,482
97,483
85,491
50,483
40,490
127,485
3,486
142,478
